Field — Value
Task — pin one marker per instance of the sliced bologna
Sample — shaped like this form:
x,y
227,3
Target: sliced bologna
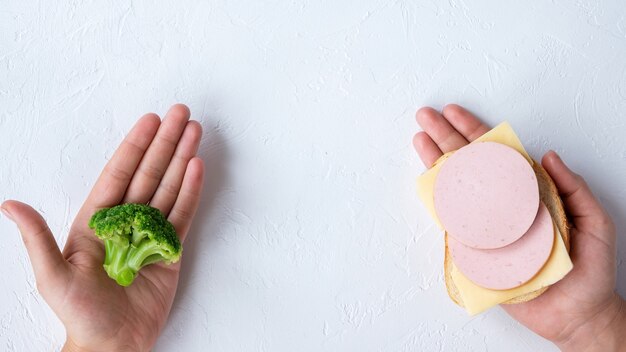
x,y
486,195
510,266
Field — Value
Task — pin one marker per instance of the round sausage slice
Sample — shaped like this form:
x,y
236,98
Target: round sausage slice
x,y
511,266
486,195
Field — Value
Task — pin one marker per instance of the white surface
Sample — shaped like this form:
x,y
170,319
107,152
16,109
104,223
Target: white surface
x,y
310,236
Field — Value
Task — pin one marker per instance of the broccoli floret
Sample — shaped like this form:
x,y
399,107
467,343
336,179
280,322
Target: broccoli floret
x,y
134,236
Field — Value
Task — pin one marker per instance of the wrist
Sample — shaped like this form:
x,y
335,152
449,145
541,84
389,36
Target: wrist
x,y
605,331
71,346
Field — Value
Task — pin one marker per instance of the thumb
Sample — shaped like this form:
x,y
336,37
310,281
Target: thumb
x,y
48,263
584,208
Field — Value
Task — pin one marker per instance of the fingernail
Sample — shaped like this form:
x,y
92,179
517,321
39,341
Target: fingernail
x,y
7,214
555,153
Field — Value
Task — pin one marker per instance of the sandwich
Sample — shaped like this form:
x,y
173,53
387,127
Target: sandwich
x,y
504,226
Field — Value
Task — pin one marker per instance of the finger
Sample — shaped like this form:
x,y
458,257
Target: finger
x,y
468,125
579,201
426,148
439,129
169,187
51,269
114,179
157,157
188,199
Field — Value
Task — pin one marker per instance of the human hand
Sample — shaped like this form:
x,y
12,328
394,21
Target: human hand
x,y
582,311
156,164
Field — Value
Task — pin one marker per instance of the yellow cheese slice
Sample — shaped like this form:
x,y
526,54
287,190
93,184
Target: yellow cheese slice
x,y
477,299
503,134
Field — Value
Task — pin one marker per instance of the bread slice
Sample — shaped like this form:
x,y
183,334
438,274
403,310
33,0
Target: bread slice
x,y
549,195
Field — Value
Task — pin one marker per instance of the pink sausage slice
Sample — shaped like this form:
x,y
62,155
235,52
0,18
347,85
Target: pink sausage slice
x,y
486,195
510,266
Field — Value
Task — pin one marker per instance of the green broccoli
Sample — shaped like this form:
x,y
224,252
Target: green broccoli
x,y
134,236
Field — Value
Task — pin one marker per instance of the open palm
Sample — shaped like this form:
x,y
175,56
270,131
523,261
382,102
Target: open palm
x,y
156,164
584,302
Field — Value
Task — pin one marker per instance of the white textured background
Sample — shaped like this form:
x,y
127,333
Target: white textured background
x,y
310,236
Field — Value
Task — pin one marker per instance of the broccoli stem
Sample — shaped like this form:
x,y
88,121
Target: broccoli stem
x,y
115,263
146,253
123,260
